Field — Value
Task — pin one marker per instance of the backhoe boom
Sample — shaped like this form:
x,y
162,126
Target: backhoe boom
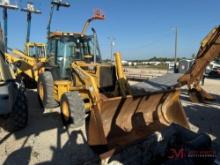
x,y
209,51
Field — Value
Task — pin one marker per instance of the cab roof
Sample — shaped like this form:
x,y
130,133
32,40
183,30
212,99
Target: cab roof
x,y
66,34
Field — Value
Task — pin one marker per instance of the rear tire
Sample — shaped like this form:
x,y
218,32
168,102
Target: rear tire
x,y
72,110
18,118
45,90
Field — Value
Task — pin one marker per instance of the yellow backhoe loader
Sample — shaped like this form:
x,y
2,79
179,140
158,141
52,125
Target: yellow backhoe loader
x,y
13,104
28,64
209,51
78,81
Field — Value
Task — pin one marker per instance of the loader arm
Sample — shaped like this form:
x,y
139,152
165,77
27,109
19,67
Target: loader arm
x,y
31,67
96,135
209,50
122,87
88,82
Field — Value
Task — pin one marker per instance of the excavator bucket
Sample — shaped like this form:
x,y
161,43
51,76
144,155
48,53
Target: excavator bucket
x,y
120,121
199,95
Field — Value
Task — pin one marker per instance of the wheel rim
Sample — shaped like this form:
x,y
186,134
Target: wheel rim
x,y
65,110
41,91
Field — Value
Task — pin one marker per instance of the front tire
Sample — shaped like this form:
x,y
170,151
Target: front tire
x,y
45,90
72,110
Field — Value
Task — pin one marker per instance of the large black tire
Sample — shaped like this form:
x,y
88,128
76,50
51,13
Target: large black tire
x,y
18,117
75,108
45,83
28,82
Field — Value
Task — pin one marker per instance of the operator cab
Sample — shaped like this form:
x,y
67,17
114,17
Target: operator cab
x,y
65,48
36,50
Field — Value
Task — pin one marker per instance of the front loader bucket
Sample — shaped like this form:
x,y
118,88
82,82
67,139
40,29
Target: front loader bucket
x,y
121,121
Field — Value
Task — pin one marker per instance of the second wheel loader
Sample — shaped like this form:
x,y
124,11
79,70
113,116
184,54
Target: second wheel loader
x,y
28,64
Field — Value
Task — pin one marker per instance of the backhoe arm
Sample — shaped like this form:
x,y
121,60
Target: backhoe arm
x,y
209,51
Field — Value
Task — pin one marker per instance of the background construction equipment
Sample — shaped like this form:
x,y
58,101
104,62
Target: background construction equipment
x,y
13,104
209,51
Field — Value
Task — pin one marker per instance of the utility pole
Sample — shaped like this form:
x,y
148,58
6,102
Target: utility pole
x,y
97,50
112,44
55,4
5,4
30,9
94,44
176,45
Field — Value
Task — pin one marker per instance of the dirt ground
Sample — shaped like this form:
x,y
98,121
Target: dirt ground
x,y
144,73
46,141
205,117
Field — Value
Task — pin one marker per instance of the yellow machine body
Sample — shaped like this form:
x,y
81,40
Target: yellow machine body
x,y
120,117
117,115
27,62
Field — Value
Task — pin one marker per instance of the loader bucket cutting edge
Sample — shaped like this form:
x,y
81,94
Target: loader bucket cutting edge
x,y
121,121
